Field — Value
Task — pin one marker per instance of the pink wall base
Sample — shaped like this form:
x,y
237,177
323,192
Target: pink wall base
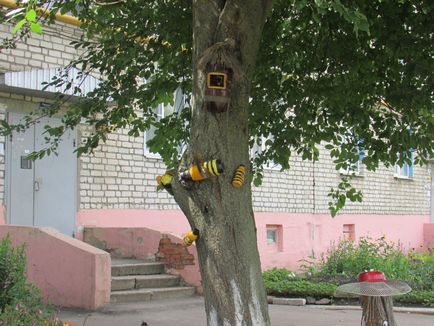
x,y
309,235
69,272
428,235
2,215
301,235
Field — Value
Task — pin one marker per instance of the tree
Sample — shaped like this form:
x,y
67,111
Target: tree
x,y
349,74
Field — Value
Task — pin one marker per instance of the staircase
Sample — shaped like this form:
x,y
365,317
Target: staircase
x,y
137,281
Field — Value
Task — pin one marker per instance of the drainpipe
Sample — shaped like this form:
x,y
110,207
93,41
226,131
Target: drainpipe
x,y
42,11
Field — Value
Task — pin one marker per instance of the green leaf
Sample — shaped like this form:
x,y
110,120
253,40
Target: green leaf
x,y
360,22
31,15
36,28
300,4
257,181
19,25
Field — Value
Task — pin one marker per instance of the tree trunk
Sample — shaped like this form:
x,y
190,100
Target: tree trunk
x,y
377,311
227,245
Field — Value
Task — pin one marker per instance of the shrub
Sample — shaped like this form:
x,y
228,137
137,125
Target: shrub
x,y
14,288
424,298
300,288
421,275
351,259
347,260
342,263
22,315
277,275
20,302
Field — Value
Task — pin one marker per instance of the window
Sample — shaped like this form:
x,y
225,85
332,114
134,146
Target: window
x,y
163,111
349,232
274,237
271,236
260,146
407,169
355,169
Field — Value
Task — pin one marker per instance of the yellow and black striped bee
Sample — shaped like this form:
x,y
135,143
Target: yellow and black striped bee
x,y
190,237
238,179
198,172
165,182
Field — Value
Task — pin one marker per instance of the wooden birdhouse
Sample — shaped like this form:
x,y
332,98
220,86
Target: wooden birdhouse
x,y
218,89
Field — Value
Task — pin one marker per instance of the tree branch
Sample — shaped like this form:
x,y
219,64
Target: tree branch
x,y
110,3
268,5
206,19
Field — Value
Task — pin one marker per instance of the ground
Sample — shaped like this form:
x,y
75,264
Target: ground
x,y
191,312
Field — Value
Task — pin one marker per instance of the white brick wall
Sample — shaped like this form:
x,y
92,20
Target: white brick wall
x,y
118,175
121,177
51,49
383,194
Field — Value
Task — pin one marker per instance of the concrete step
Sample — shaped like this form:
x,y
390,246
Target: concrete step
x,y
151,294
139,268
144,281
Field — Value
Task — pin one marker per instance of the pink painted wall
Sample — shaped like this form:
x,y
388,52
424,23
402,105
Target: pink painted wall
x,y
68,272
124,242
141,243
428,235
305,235
2,215
164,221
302,235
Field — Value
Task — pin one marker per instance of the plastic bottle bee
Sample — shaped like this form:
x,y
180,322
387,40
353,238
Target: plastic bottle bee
x,y
203,170
238,179
165,181
190,237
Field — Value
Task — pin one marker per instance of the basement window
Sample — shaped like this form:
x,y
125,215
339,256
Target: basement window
x,y
274,237
349,232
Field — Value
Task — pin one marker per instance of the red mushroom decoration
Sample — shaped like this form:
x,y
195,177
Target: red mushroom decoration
x,y
375,293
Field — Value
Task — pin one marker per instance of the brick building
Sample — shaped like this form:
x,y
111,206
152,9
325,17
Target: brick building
x,y
115,187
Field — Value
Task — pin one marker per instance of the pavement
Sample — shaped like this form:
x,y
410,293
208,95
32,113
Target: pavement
x,y
191,312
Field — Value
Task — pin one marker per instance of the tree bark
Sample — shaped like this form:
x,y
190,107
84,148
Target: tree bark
x,y
377,311
227,245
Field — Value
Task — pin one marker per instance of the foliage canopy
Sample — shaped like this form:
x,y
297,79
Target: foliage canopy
x,y
348,73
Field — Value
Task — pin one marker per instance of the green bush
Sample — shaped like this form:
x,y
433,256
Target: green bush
x,y
13,284
20,302
350,259
421,275
300,288
342,264
22,315
347,259
277,275
423,298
